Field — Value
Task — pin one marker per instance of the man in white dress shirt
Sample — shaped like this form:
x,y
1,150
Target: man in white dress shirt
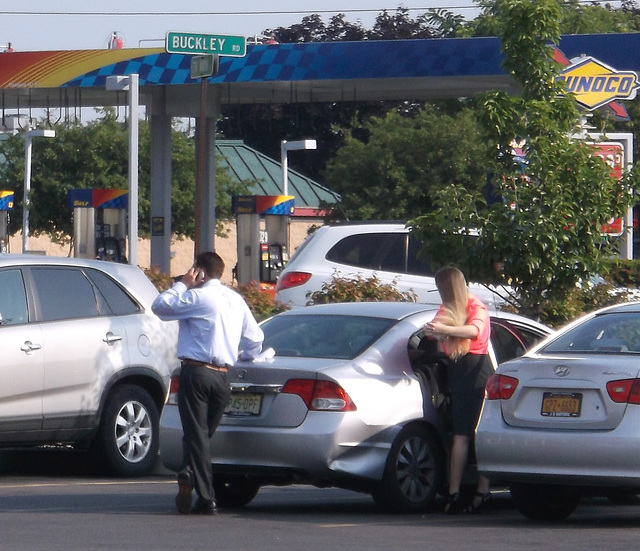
x,y
214,322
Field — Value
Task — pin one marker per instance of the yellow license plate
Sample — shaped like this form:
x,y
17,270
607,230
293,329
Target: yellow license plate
x,y
561,404
244,404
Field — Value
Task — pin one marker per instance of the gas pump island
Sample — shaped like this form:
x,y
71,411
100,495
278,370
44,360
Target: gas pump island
x,y
99,223
6,205
262,237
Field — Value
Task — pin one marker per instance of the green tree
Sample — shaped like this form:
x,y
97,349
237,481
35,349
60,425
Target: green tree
x,y
575,17
95,155
264,126
545,224
388,169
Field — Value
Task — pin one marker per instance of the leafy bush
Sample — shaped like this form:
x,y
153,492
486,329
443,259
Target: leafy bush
x,y
161,280
581,301
356,288
261,303
623,273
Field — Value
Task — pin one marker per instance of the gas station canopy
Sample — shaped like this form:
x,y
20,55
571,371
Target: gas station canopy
x,y
283,73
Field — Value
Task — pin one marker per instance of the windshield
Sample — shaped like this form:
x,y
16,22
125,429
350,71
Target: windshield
x,y
322,336
606,333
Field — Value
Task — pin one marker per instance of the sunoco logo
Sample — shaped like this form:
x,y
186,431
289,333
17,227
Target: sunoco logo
x,y
594,84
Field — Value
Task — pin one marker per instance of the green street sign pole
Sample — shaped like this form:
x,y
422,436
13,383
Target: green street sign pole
x,y
201,67
204,49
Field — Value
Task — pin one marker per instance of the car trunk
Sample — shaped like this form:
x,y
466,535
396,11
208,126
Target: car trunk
x,y
568,392
257,397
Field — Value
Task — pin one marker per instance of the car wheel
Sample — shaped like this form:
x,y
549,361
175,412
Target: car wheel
x,y
127,441
545,501
414,472
234,491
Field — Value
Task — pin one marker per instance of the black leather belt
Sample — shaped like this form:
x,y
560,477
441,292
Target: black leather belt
x,y
198,363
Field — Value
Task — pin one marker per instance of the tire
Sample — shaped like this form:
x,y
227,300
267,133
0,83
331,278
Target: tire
x,y
127,441
545,502
235,491
414,473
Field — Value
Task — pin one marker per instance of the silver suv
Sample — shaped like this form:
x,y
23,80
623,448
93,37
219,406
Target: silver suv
x,y
387,250
84,360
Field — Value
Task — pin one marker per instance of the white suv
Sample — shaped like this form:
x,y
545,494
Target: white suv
x,y
84,360
387,250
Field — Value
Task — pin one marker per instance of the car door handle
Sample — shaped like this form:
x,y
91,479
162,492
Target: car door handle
x,y
29,347
110,338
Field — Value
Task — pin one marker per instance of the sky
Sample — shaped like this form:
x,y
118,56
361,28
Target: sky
x,y
33,25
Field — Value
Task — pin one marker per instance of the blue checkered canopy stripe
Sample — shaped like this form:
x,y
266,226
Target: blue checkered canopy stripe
x,y
319,61
455,57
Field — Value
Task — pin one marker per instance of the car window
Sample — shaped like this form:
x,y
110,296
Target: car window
x,y
374,251
510,340
506,342
415,264
322,336
114,298
605,333
64,293
13,298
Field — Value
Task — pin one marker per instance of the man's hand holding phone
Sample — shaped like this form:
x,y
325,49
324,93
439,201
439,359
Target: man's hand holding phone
x,y
194,277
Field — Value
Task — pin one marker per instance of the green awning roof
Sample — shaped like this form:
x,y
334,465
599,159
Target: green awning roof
x,y
245,163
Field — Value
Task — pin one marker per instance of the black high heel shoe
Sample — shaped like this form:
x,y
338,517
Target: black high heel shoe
x,y
479,504
453,505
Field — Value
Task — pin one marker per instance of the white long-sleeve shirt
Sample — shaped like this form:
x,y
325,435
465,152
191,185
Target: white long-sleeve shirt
x,y
214,322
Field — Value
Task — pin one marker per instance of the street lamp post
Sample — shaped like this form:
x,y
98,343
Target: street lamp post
x,y
27,181
131,83
286,146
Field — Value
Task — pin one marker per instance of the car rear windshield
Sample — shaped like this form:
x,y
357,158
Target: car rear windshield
x,y
611,333
323,336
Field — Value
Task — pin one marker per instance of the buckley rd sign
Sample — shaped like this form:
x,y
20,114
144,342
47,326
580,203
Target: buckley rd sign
x,y
195,43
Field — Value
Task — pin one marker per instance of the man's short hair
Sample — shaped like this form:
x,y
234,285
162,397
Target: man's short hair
x,y
211,263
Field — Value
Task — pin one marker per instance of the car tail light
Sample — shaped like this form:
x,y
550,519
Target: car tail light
x,y
320,395
624,391
174,385
500,387
292,279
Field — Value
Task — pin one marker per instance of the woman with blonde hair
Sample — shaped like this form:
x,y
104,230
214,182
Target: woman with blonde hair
x,y
462,327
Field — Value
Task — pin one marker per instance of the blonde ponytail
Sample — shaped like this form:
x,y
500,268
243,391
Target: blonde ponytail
x,y
455,296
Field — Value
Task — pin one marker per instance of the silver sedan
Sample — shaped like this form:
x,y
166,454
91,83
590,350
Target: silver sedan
x,y
356,397
565,418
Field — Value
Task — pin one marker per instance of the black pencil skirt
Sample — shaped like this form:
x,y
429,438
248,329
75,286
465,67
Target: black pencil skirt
x,y
467,379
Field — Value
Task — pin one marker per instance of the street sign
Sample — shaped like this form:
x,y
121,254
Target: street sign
x,y
196,43
203,66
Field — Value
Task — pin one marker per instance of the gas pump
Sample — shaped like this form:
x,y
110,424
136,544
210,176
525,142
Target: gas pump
x,y
262,237
6,205
99,223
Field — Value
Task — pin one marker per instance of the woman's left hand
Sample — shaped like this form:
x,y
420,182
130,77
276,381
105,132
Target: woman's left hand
x,y
434,329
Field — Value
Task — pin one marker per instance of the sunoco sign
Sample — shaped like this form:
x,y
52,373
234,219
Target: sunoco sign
x,y
595,84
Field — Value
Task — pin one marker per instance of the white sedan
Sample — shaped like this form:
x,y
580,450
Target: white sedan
x,y
565,418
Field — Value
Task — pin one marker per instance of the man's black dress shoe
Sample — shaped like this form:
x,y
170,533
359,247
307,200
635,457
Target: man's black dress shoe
x,y
184,498
205,508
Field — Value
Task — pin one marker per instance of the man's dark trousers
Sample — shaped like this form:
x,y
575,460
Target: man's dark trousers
x,y
202,398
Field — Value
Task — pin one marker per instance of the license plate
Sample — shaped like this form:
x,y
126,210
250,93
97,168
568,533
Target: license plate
x,y
561,404
244,404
